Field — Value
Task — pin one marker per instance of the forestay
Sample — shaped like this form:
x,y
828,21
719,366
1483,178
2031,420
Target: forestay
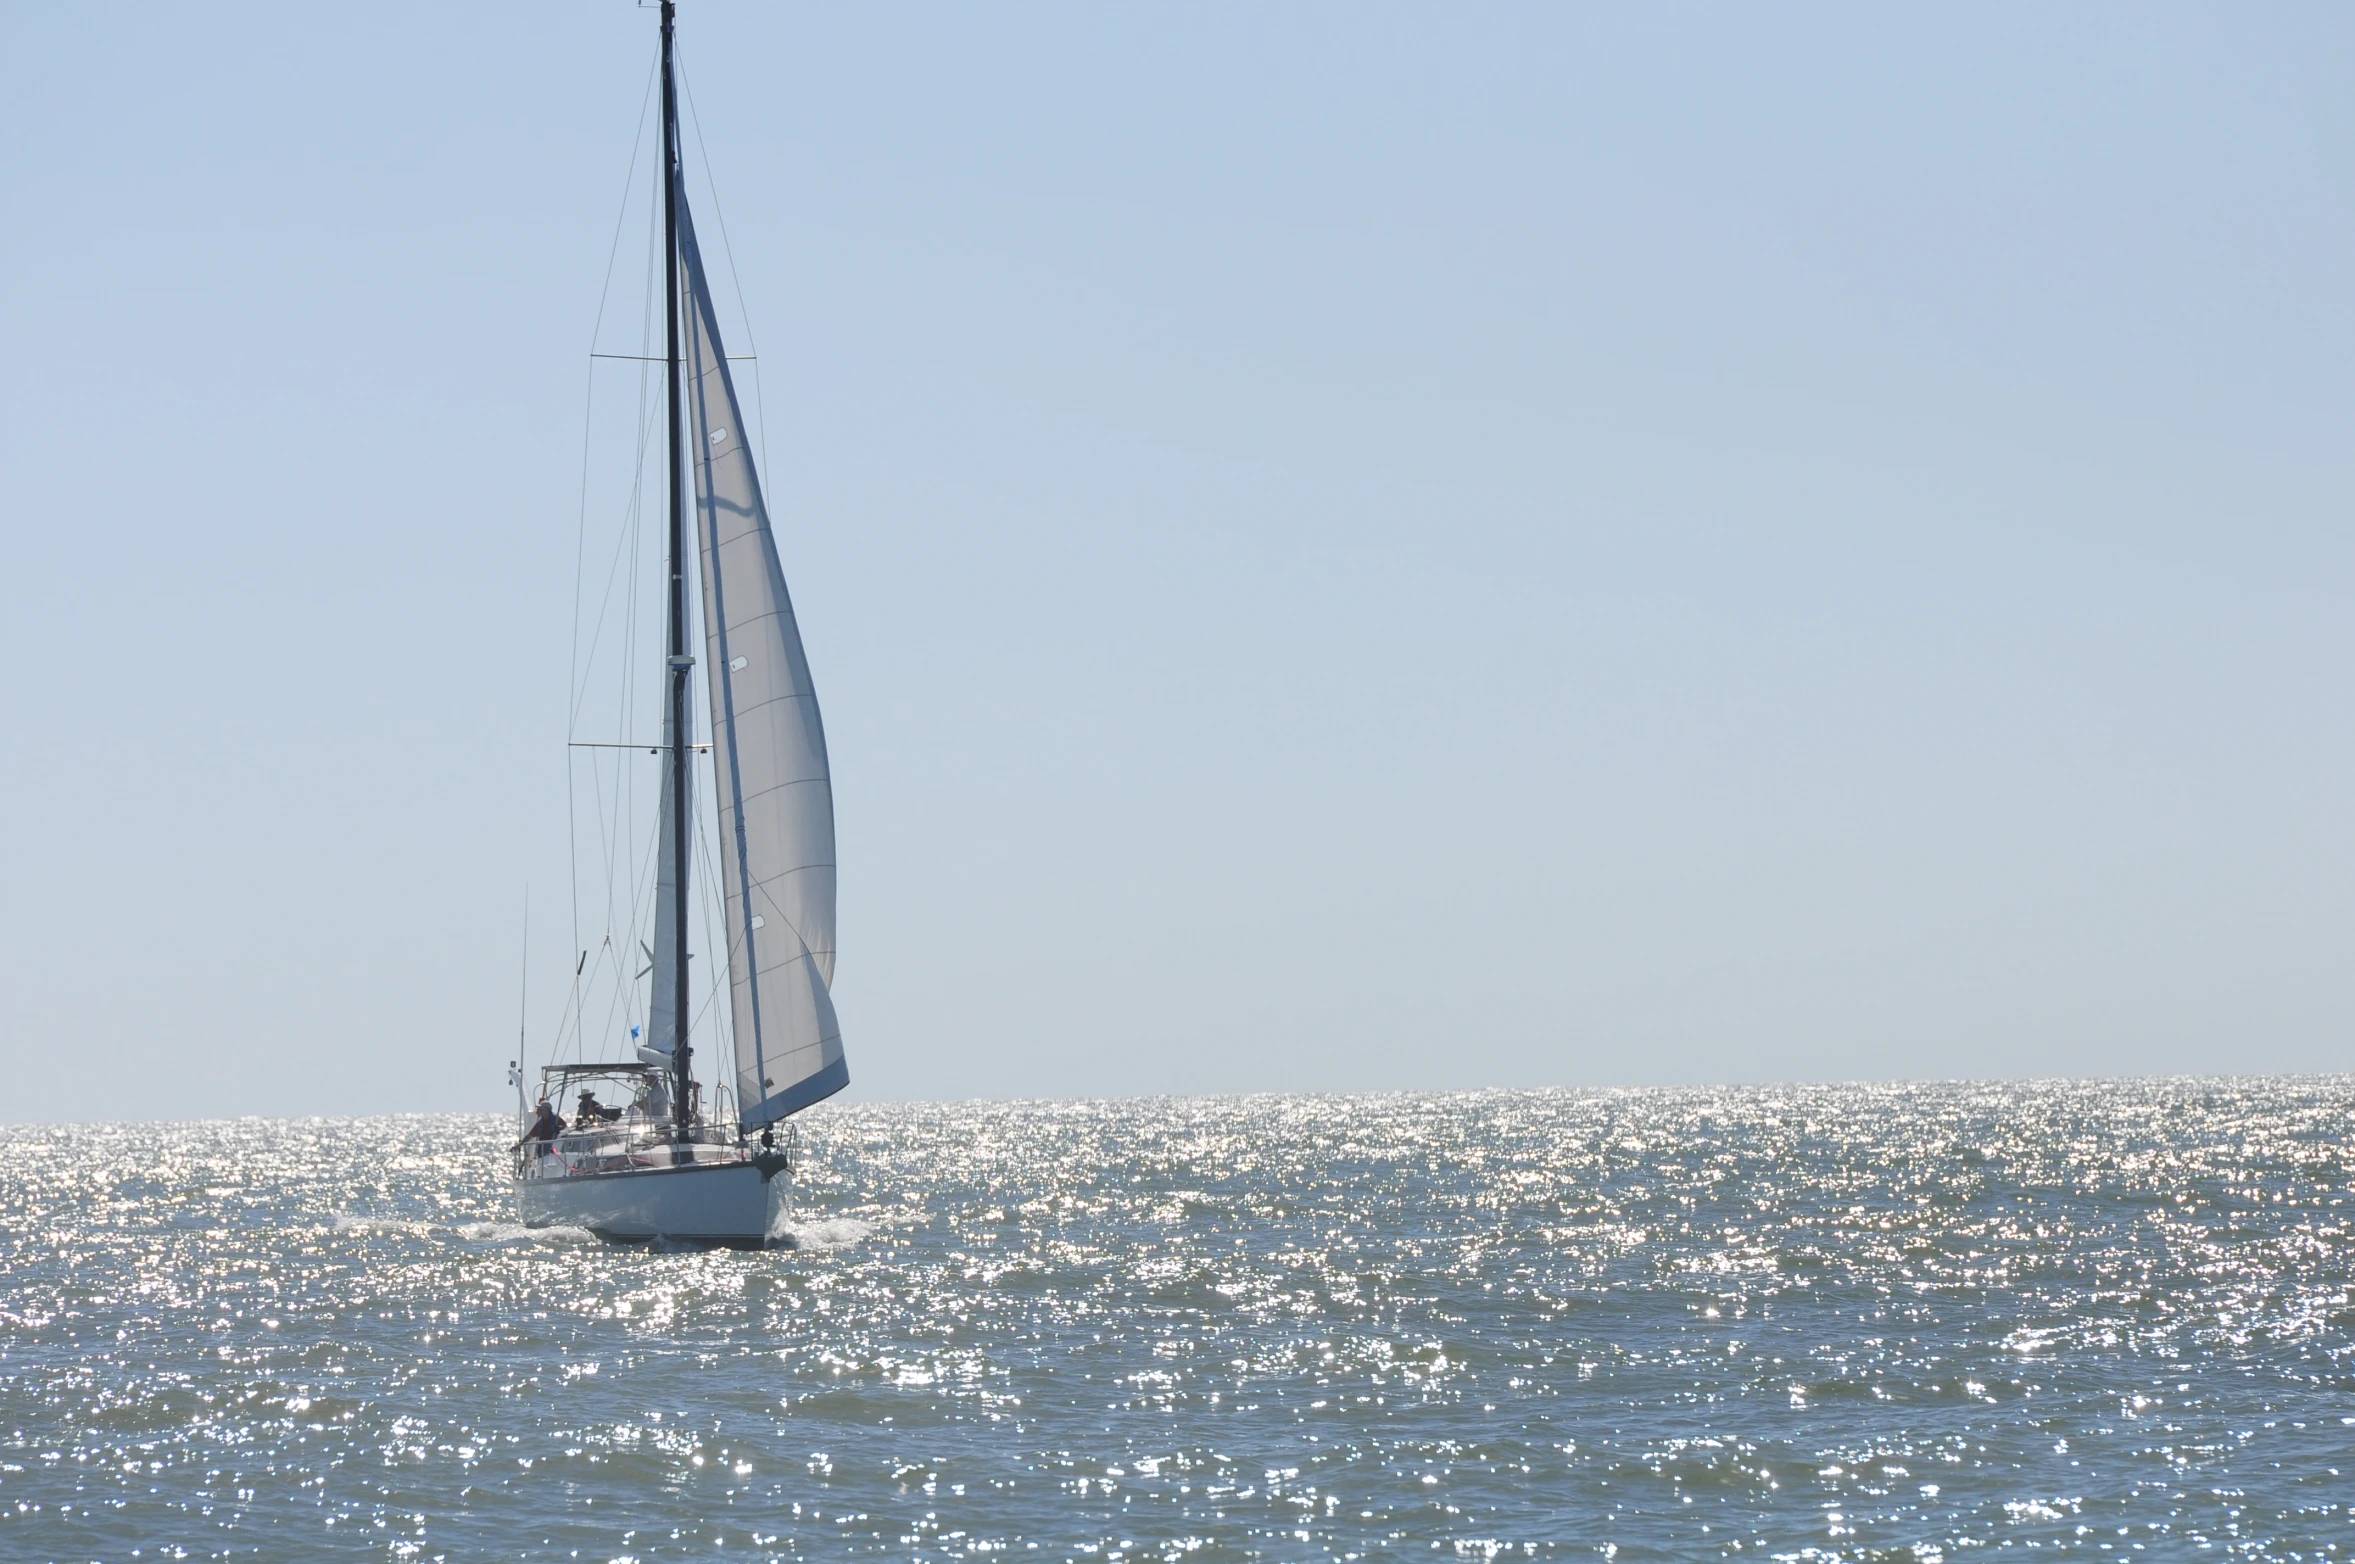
x,y
776,797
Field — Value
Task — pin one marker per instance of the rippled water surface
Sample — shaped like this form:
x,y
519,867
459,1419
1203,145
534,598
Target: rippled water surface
x,y
1851,1322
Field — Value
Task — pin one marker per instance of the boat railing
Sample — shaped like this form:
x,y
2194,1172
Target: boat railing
x,y
630,1142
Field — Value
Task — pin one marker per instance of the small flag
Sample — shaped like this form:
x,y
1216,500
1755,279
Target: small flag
x,y
633,1031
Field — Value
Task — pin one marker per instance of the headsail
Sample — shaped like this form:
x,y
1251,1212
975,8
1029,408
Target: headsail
x,y
776,796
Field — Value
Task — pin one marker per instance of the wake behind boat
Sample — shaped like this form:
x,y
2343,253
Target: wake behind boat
x,y
654,1159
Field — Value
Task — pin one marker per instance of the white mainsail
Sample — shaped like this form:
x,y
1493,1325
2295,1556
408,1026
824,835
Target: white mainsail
x,y
776,796
660,1045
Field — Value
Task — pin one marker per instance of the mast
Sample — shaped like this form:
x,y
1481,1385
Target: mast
x,y
680,663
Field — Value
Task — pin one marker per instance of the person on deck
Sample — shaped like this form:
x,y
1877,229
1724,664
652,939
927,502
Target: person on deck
x,y
547,1126
654,1100
590,1111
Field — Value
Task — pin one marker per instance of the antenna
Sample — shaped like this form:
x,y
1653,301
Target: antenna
x,y
522,1006
523,1002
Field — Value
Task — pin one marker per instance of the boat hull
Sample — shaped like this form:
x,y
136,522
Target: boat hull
x,y
725,1203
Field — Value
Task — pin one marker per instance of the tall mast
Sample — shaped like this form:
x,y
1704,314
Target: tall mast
x,y
681,663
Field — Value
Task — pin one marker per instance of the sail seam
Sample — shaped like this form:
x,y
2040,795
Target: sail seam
x,y
781,786
772,700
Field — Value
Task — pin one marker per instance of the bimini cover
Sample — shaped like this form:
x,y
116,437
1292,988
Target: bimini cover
x,y
776,797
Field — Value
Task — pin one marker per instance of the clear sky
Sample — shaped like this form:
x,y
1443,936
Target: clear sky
x,y
1343,546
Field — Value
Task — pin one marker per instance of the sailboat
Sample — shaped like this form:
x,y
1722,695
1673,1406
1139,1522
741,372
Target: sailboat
x,y
655,1159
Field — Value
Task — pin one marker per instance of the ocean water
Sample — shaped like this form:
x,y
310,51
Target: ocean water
x,y
1917,1322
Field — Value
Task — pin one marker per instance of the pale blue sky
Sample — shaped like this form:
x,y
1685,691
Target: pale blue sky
x,y
1343,546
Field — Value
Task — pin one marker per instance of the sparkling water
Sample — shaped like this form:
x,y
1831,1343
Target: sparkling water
x,y
1901,1322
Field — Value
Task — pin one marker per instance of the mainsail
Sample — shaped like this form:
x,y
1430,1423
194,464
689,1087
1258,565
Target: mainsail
x,y
776,797
660,1046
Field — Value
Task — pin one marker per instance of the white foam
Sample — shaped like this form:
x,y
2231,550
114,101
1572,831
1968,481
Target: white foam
x,y
345,1222
833,1233
517,1233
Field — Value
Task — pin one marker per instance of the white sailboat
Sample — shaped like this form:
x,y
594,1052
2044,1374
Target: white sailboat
x,y
658,1161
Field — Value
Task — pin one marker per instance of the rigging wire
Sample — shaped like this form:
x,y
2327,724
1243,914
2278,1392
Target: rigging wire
x,y
626,827
760,401
628,547
581,539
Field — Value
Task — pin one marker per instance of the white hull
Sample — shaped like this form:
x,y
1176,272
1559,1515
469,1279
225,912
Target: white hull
x,y
725,1203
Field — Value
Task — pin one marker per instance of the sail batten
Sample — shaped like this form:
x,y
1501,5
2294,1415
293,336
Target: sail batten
x,y
776,792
